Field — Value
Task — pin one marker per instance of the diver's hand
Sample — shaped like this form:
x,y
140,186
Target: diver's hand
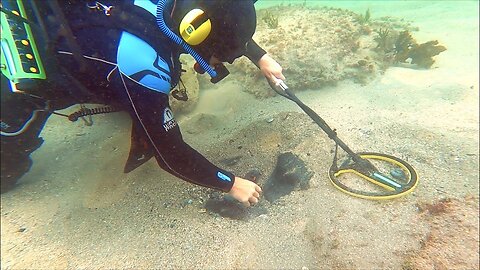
x,y
270,69
245,191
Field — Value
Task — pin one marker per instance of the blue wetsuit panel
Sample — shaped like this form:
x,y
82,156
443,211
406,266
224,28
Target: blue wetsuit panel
x,y
147,5
139,61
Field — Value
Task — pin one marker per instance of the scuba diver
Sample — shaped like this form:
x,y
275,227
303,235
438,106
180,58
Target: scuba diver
x,y
122,53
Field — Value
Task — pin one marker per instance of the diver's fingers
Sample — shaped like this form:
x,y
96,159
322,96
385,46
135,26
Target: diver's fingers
x,y
258,189
275,80
253,200
256,194
278,76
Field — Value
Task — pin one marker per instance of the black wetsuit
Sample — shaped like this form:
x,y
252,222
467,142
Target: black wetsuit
x,y
104,44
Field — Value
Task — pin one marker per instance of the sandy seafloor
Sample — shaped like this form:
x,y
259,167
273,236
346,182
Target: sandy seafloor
x,y
76,209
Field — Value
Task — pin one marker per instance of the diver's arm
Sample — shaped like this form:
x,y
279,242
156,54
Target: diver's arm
x,y
22,120
269,67
172,153
245,191
175,156
253,51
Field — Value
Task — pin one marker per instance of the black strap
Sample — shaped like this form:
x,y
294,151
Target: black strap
x,y
66,33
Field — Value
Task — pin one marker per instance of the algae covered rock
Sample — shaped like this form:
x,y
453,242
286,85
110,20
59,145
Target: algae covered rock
x,y
320,46
420,54
316,46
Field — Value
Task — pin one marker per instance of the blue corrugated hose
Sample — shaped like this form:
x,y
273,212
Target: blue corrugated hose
x,y
164,28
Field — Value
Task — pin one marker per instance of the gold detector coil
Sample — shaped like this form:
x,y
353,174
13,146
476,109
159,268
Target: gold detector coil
x,y
390,178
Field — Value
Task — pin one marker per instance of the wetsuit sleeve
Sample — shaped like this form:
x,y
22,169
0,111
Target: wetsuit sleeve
x,y
173,154
254,52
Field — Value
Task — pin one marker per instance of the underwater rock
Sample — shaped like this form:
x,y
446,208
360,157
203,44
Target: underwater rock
x,y
314,46
320,46
289,174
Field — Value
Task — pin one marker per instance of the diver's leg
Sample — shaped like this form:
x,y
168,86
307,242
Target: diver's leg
x,y
22,119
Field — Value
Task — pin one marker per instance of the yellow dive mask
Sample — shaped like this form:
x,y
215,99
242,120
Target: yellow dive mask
x,y
195,27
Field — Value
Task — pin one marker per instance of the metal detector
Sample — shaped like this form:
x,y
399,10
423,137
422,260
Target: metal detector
x,y
366,175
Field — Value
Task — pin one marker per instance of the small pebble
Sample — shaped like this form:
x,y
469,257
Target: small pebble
x,y
269,120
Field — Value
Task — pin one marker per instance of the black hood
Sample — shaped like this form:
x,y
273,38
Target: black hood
x,y
233,24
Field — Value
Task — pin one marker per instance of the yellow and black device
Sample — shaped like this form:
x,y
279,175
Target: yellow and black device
x,y
20,58
195,27
374,176
366,175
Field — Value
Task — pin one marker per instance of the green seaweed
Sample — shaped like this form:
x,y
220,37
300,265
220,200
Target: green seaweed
x,y
403,44
270,19
420,54
383,39
364,19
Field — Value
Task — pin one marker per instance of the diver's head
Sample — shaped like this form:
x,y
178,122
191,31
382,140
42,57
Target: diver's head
x,y
219,28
